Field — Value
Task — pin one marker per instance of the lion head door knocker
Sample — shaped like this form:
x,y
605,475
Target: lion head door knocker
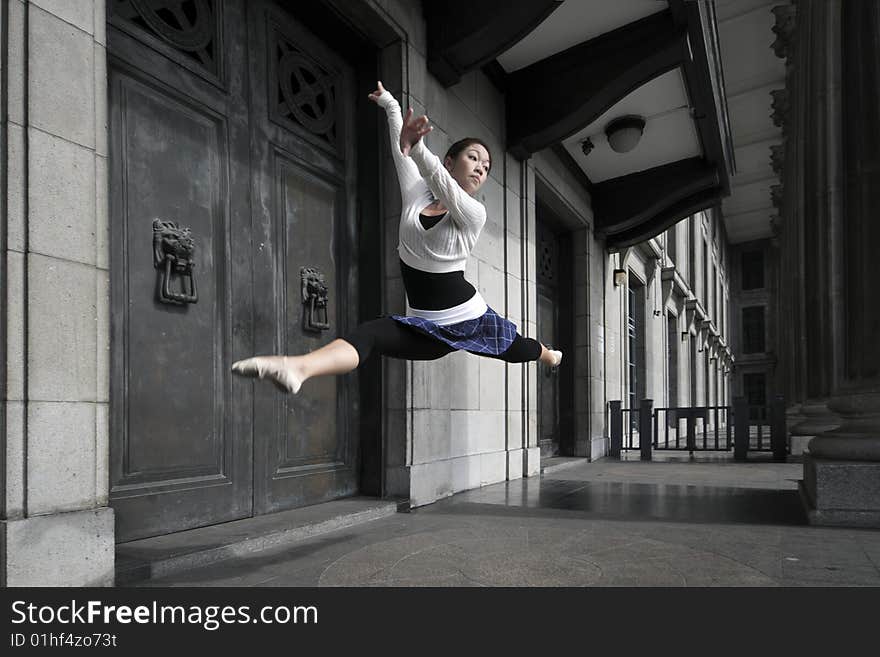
x,y
314,298
173,250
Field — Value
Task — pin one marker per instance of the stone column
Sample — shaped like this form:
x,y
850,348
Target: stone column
x,y
842,472
822,168
787,198
57,527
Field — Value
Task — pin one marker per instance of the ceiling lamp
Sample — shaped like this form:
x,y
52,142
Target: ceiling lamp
x,y
624,133
587,146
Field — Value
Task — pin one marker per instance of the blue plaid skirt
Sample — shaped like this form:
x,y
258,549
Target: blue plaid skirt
x,y
488,334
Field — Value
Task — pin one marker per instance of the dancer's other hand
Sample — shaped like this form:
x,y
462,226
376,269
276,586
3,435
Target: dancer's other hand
x,y
413,130
379,91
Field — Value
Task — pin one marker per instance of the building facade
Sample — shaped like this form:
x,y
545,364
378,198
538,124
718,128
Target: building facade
x,y
188,183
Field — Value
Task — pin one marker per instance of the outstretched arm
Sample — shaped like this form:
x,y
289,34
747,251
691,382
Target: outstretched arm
x,y
411,183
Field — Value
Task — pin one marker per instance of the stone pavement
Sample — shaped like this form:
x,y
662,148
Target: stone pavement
x,y
670,522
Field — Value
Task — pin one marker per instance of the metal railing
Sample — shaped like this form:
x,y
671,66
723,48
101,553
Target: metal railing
x,y
706,428
740,427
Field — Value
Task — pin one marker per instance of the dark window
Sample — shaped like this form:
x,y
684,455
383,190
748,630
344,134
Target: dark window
x,y
692,254
753,329
670,244
672,340
692,368
714,283
755,389
705,263
752,270
706,385
635,328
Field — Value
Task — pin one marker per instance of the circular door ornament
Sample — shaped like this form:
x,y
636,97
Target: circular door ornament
x,y
303,99
191,34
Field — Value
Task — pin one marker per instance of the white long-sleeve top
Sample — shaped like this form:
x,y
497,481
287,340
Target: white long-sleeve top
x,y
423,178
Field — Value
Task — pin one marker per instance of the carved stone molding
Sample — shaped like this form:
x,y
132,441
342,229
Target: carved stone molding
x,y
777,158
781,106
776,196
783,28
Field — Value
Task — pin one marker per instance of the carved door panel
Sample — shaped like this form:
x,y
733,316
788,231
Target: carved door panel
x,y
548,332
303,189
180,446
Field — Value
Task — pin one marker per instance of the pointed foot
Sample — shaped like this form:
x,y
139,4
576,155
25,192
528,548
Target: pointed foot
x,y
274,368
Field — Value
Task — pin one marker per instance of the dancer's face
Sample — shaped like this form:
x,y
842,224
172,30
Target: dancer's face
x,y
470,168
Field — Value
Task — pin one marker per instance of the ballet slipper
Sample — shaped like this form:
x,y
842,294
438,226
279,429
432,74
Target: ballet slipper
x,y
272,368
557,357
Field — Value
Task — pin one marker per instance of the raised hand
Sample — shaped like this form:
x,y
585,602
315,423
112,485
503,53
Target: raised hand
x,y
374,96
412,131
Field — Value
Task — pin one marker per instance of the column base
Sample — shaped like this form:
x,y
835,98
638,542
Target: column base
x,y
841,493
815,420
62,549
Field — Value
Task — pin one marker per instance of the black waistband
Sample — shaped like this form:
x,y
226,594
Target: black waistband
x,y
430,291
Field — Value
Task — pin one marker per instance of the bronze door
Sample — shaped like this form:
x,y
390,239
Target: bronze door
x,y
181,452
200,137
548,333
303,217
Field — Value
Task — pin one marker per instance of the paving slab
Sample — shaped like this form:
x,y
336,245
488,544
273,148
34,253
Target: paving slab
x,y
606,523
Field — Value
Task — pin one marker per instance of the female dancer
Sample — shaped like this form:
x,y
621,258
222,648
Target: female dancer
x,y
439,225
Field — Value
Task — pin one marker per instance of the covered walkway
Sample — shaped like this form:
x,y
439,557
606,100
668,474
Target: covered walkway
x,y
675,521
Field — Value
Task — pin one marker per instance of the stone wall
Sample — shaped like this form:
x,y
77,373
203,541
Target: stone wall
x,y
57,527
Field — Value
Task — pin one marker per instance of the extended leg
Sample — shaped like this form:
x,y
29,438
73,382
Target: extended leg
x,y
385,336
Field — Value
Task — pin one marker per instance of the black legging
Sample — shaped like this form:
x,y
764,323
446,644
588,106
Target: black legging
x,y
395,340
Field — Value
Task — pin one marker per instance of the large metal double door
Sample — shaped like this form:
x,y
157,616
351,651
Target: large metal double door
x,y
232,120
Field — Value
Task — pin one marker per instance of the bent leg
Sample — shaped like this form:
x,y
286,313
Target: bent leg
x,y
524,350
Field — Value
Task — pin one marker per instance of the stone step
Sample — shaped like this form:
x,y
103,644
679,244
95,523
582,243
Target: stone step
x,y
155,557
557,463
